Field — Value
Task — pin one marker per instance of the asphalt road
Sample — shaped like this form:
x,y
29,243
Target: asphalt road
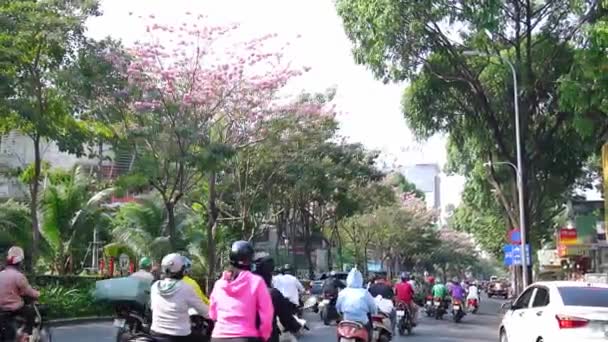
x,y
482,327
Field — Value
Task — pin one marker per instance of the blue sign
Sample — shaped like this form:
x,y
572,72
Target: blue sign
x,y
513,255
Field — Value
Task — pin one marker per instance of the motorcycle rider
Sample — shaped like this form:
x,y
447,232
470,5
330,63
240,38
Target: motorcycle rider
x,y
14,286
240,303
192,282
404,292
289,286
264,267
332,285
381,287
170,300
440,291
145,270
473,292
457,292
356,303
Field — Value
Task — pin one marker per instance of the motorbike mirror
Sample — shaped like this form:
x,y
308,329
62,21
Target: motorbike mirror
x,y
506,306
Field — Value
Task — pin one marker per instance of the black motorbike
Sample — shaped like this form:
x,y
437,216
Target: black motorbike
x,y
327,308
11,325
200,326
131,320
404,319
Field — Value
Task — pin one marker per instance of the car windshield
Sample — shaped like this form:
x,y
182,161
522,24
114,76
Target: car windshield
x,y
585,296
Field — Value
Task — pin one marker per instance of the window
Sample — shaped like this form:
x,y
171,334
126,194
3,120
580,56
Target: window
x,y
524,300
541,298
585,296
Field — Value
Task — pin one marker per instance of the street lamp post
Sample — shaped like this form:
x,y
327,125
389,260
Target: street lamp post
x,y
518,168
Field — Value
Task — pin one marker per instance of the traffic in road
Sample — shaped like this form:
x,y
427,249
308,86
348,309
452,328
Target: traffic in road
x,y
482,327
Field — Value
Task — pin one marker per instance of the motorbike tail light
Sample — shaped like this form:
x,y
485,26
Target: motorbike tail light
x,y
456,302
570,322
377,319
429,297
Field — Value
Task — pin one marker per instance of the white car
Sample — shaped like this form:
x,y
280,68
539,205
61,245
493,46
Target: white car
x,y
557,311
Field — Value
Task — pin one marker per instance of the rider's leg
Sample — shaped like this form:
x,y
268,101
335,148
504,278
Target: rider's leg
x,y
29,315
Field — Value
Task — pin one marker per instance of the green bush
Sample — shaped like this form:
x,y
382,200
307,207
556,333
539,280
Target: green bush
x,y
71,302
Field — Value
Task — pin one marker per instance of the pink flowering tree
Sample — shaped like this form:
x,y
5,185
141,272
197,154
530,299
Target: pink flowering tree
x,y
200,97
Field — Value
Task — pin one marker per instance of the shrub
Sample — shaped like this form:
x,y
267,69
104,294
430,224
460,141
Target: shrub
x,y
72,301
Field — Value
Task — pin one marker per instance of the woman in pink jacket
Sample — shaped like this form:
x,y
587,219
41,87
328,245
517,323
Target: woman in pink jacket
x,y
240,303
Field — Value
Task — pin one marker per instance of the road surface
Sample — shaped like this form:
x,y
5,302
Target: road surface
x,y
482,327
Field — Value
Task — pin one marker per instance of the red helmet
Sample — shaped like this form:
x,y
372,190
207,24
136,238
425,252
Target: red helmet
x,y
430,279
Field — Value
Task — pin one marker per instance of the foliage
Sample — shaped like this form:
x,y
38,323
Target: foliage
x,y
69,302
70,212
14,225
471,97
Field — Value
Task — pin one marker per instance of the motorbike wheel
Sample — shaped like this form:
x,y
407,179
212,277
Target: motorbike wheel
x,y
384,338
315,308
325,315
123,335
475,310
401,327
458,317
45,335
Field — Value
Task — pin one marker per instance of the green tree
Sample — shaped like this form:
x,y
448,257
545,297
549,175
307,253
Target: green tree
x,y
471,97
15,226
38,39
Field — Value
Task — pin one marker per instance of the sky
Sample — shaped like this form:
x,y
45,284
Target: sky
x,y
370,110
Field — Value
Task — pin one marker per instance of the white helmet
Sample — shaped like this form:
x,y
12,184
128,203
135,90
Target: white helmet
x,y
15,255
172,263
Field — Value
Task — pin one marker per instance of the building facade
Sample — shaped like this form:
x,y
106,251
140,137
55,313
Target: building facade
x,y
427,179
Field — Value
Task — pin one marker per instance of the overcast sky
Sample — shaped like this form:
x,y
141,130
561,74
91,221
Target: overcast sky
x,y
371,109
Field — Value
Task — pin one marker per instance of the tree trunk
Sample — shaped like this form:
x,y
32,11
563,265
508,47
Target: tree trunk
x,y
212,214
34,189
170,207
307,237
99,163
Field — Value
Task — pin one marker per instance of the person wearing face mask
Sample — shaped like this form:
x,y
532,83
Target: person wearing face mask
x,y
240,303
283,311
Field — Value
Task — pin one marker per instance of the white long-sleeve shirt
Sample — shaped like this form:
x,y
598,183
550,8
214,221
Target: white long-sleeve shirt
x,y
170,301
289,286
473,292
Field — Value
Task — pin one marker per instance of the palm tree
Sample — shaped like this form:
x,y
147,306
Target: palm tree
x,y
15,225
70,213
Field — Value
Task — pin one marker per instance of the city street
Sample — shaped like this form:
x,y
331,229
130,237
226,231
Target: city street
x,y
482,327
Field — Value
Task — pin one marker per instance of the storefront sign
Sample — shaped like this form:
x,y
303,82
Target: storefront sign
x,y
548,257
572,250
568,236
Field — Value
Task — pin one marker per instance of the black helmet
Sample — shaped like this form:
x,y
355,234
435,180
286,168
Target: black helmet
x,y
286,268
264,267
241,255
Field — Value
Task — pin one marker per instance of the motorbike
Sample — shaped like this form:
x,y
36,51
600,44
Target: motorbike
x,y
404,319
349,331
287,336
457,311
382,328
327,308
438,308
473,305
428,306
200,326
131,319
11,326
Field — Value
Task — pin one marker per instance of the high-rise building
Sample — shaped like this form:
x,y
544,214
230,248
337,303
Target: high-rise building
x,y
426,178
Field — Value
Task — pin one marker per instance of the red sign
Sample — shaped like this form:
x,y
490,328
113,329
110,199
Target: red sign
x,y
568,236
514,236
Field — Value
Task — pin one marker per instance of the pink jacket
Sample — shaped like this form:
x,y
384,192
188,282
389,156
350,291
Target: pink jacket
x,y
13,286
235,304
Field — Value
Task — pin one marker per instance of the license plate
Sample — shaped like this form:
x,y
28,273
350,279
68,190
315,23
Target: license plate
x,y
119,323
325,301
429,303
456,307
437,303
347,339
400,313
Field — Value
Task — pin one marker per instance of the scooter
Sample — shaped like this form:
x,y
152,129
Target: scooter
x,y
404,319
428,306
473,305
382,328
349,331
457,311
11,326
287,336
438,308
327,308
130,320
200,326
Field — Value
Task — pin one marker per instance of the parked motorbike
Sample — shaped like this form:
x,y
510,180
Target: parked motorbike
x,y
438,308
457,311
404,319
327,308
349,331
428,306
473,305
382,328
11,326
131,319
